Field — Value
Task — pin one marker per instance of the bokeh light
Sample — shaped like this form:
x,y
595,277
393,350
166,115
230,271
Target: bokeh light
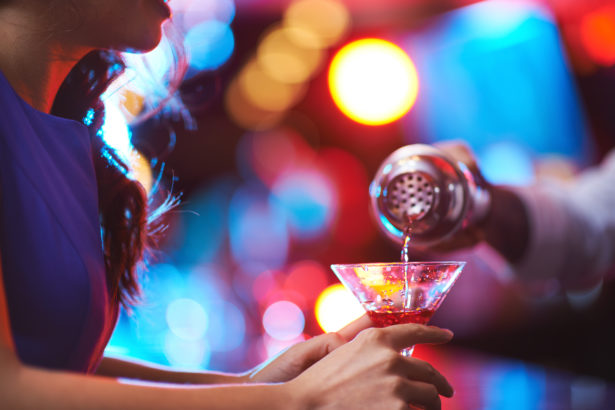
x,y
581,299
308,199
307,277
506,163
373,81
198,11
500,75
286,61
187,319
266,92
350,179
289,54
283,320
198,234
227,329
245,113
268,154
209,44
186,354
258,229
336,307
597,32
529,385
317,23
263,285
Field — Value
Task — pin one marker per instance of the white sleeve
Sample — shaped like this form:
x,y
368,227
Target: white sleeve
x,y
572,227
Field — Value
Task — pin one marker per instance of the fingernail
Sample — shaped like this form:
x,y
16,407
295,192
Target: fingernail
x,y
450,392
447,334
450,332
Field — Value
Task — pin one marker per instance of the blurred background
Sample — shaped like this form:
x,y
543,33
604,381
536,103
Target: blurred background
x,y
273,165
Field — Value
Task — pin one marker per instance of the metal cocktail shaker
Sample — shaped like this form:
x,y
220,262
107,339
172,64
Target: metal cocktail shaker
x,y
421,184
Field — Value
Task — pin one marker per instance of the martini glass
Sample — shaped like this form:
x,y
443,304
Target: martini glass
x,y
401,292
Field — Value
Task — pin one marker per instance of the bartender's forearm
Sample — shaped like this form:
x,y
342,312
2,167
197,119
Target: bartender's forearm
x,y
114,367
507,226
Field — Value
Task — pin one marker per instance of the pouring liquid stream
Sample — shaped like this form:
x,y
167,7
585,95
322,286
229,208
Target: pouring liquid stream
x,y
405,250
405,258
411,312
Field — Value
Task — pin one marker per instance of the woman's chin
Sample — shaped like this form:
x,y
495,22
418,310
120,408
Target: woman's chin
x,y
142,45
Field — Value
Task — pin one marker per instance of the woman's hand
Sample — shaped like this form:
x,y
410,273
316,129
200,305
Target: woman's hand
x,y
297,358
369,373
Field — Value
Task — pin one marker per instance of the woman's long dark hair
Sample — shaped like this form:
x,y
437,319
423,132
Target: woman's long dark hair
x,y
129,226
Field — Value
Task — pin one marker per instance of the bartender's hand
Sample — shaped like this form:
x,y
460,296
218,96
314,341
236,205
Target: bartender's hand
x,y
505,227
297,358
468,236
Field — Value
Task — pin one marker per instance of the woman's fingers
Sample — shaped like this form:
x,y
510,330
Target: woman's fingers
x,y
368,372
419,370
349,331
318,347
421,394
293,361
406,335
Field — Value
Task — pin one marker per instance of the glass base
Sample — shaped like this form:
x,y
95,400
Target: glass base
x,y
407,352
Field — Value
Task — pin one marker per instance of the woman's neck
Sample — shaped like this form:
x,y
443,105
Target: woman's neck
x,y
33,61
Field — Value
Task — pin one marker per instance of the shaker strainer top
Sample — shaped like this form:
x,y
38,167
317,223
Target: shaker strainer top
x,y
410,195
419,186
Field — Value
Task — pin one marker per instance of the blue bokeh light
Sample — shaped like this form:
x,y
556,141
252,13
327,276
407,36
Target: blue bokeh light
x,y
308,200
201,229
527,383
209,45
493,72
187,319
506,163
186,354
199,320
227,330
142,334
258,228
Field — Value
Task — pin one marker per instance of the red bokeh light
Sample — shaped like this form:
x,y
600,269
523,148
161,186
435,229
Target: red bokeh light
x,y
274,153
308,278
353,226
597,32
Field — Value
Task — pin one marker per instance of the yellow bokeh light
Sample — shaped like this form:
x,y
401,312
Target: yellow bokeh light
x,y
317,23
246,114
336,307
373,81
265,92
285,60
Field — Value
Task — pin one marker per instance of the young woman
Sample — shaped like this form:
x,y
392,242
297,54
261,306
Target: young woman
x,y
61,283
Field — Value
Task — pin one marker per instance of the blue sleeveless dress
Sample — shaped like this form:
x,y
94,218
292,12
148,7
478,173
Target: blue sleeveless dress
x,y
50,243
